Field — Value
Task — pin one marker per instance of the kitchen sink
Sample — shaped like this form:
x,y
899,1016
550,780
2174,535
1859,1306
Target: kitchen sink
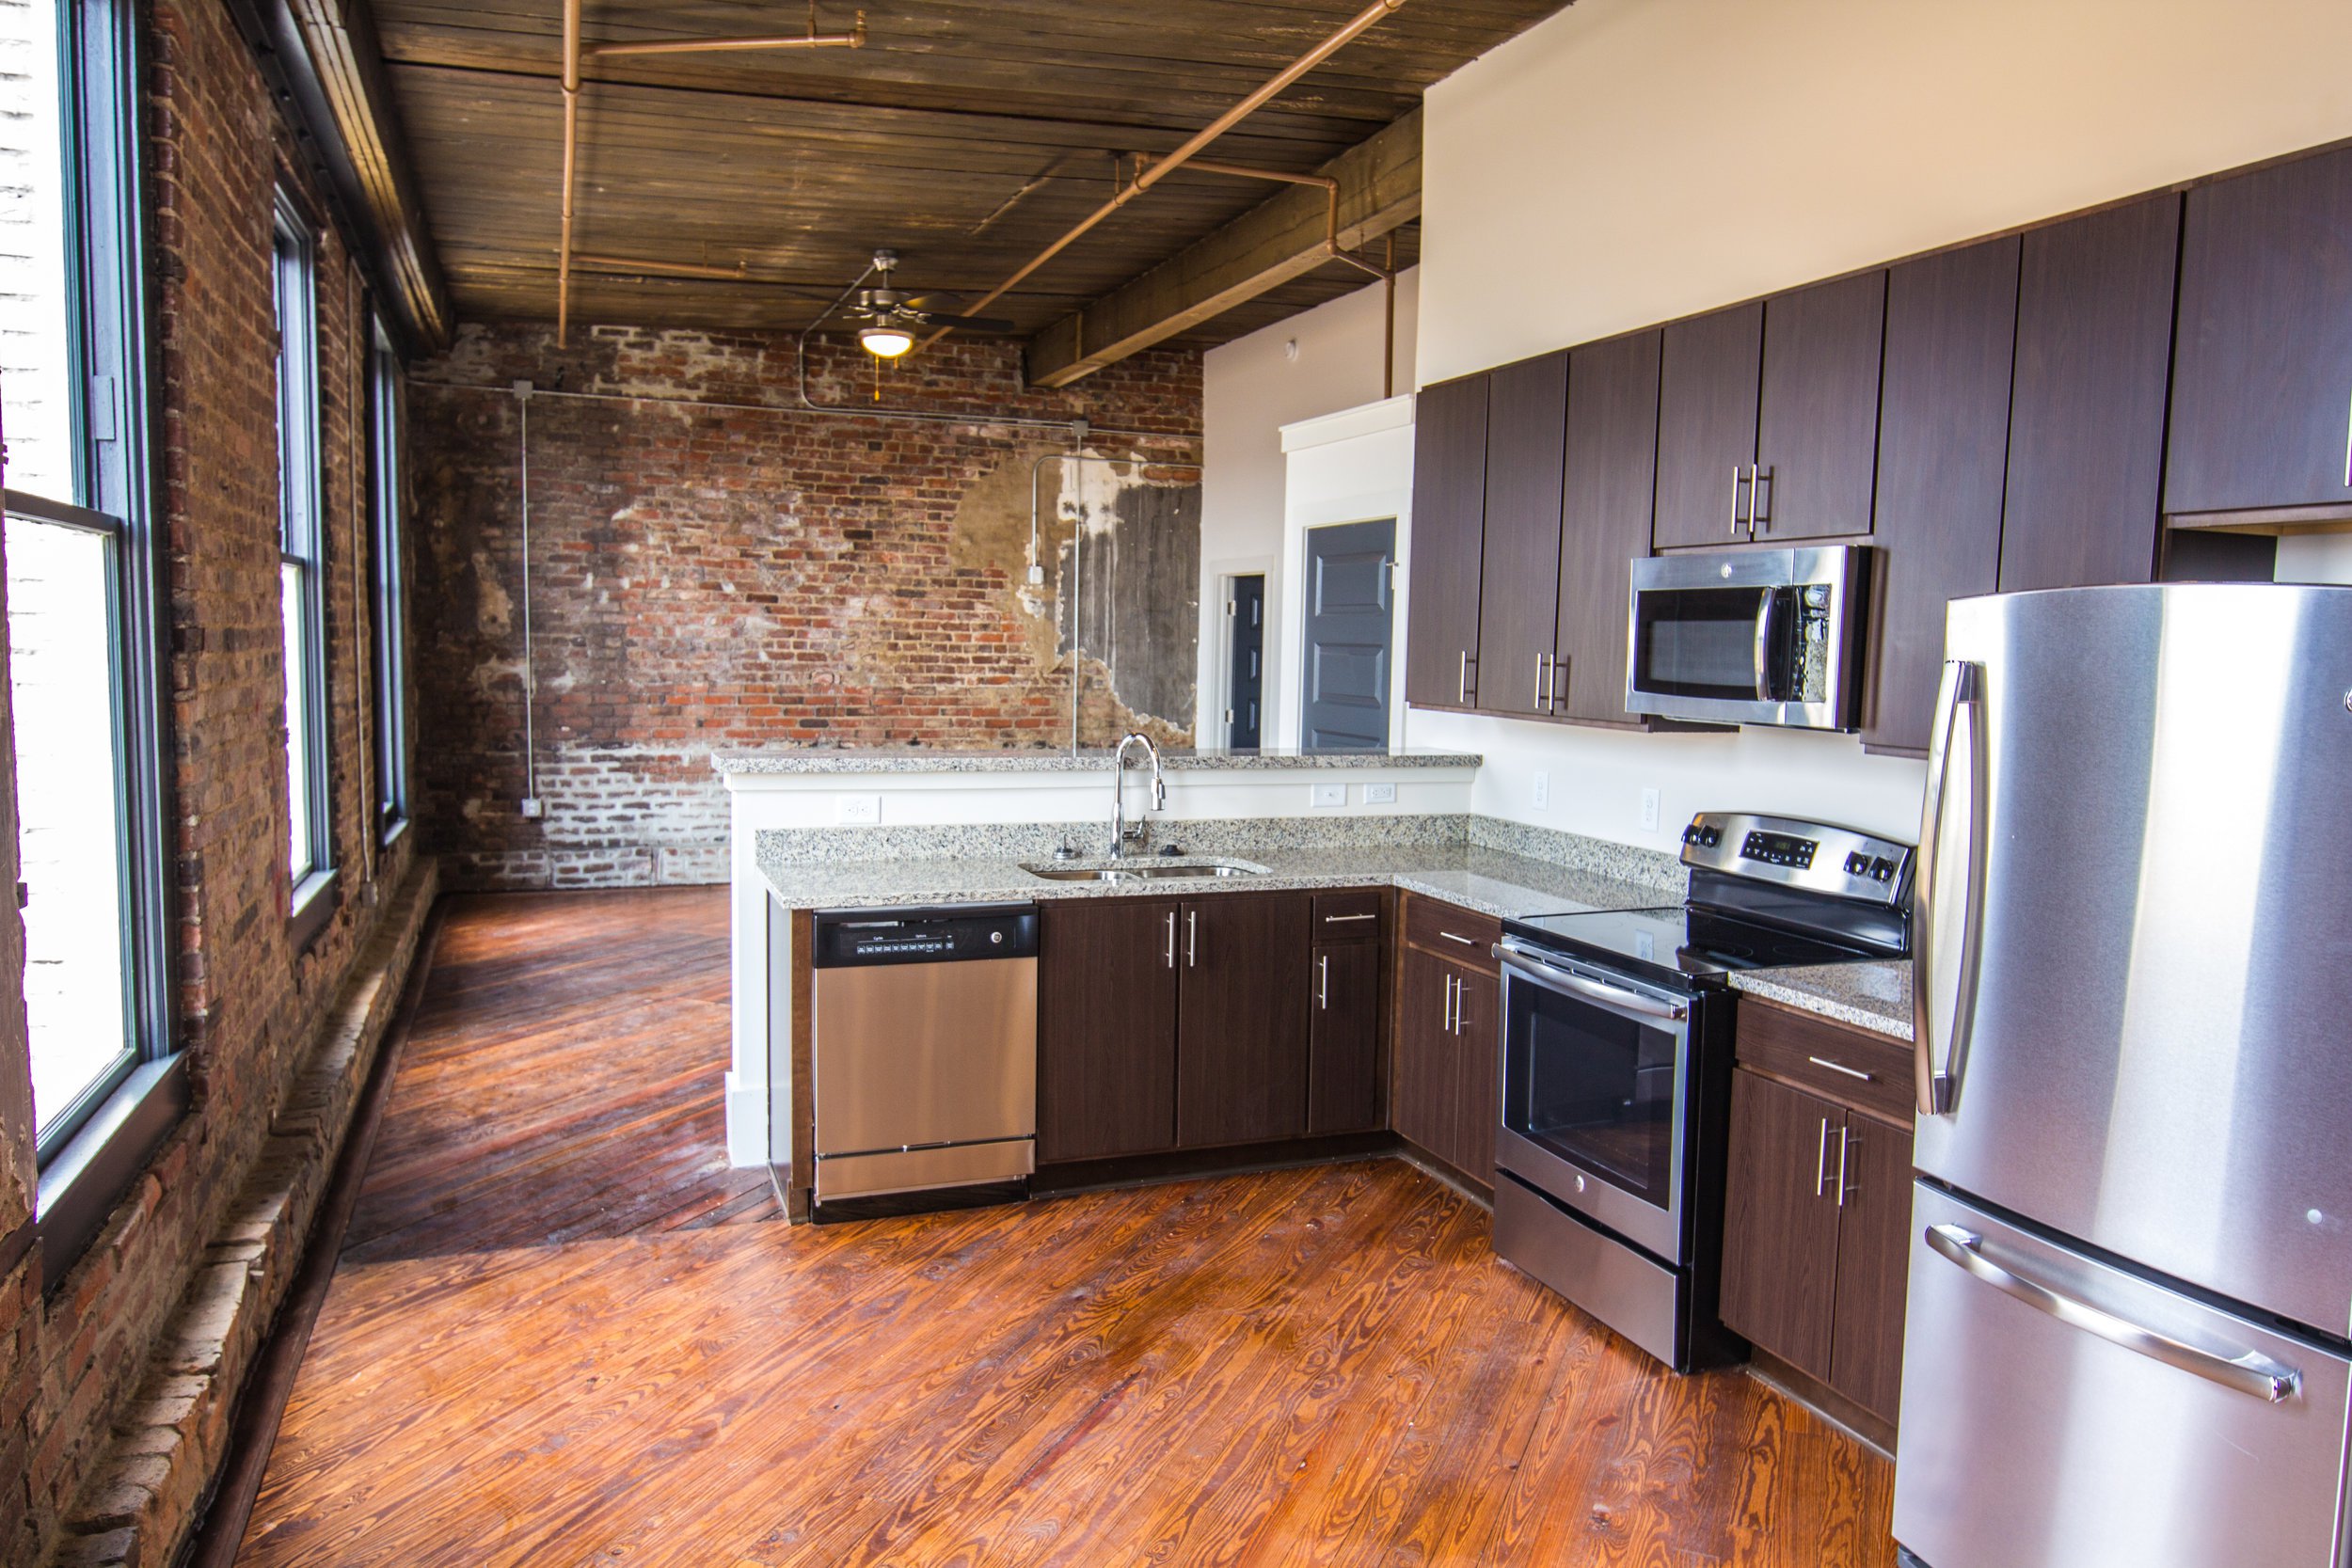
x,y
1144,871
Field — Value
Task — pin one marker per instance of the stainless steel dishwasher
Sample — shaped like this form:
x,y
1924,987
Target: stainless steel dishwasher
x,y
923,1035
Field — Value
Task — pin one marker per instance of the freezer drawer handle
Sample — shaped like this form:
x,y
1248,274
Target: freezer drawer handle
x,y
2248,1372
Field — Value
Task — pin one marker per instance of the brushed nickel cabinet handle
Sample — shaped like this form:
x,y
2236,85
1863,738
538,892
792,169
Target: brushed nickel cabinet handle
x,y
1171,939
1821,1161
1192,939
1840,1067
1845,1137
1737,471
1322,981
1451,937
1461,683
1540,661
1338,918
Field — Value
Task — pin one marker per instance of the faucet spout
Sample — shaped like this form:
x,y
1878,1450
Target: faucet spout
x,y
1121,832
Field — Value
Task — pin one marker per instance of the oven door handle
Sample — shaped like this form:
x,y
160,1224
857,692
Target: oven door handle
x,y
1615,997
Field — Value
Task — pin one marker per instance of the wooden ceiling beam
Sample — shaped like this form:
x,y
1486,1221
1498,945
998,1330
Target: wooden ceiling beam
x,y
1279,240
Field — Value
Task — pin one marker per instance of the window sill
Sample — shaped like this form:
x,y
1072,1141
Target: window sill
x,y
80,1186
394,831
316,897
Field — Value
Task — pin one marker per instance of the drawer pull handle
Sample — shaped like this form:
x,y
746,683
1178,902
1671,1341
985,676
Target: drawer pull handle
x,y
1335,919
1451,937
1840,1067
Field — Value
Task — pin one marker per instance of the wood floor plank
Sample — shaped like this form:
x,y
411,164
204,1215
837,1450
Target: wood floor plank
x,y
556,1343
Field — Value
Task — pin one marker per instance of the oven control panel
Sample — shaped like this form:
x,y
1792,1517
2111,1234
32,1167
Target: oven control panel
x,y
1816,856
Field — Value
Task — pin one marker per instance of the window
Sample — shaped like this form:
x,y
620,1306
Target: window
x,y
83,622
387,588
301,573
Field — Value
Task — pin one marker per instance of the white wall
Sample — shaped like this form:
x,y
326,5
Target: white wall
x,y
1630,161
2315,558
1251,388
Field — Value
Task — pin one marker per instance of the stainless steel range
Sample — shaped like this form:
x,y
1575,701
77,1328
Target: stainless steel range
x,y
1616,1063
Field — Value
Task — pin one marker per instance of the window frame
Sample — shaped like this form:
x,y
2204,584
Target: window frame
x,y
302,545
388,585
92,1153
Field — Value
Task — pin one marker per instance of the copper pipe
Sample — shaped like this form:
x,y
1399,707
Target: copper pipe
x,y
1387,337
852,39
1330,188
1257,100
571,153
665,269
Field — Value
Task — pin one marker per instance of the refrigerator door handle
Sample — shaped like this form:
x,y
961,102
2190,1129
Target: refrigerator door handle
x,y
2248,1373
1936,1065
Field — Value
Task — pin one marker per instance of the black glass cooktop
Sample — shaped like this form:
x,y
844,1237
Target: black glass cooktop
x,y
1681,942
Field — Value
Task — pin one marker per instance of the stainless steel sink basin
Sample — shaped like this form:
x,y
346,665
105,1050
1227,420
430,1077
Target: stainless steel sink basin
x,y
1143,871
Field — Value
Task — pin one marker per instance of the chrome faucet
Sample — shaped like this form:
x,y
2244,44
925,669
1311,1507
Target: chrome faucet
x,y
1121,832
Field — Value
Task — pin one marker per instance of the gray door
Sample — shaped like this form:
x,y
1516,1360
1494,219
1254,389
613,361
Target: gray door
x,y
1350,631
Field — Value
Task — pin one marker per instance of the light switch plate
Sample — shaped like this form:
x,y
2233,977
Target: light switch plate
x,y
857,808
1380,795
1543,791
1649,810
1330,794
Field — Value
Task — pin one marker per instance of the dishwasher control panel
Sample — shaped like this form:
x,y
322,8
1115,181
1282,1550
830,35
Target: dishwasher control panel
x,y
850,939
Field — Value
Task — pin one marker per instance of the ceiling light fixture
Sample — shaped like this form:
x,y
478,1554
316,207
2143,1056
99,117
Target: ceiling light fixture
x,y
885,340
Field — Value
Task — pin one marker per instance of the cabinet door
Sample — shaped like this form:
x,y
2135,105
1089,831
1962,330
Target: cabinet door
x,y
1343,1040
1526,428
1817,414
1780,1221
1448,518
1606,492
2262,377
1873,1264
1106,1027
2085,425
1241,1018
1422,1091
1478,1069
1706,425
1951,320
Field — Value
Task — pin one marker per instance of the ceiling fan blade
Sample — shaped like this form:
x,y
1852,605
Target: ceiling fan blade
x,y
976,323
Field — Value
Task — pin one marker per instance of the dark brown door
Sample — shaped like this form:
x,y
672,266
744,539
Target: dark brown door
x,y
1423,1088
2085,425
1780,1224
1241,1018
1606,493
1106,1027
1817,414
1526,428
1449,518
1707,395
1951,320
1343,1040
2262,377
1478,1067
1873,1264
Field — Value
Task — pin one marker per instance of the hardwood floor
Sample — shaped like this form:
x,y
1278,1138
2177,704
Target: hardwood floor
x,y
1312,1365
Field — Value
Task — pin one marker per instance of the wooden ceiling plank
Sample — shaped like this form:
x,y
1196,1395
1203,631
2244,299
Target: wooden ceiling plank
x,y
1272,243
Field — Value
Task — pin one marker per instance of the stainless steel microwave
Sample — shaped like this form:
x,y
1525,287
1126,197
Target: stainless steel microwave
x,y
1749,637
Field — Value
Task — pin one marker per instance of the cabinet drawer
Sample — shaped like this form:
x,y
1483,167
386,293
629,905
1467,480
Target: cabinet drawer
x,y
1850,1067
1455,933
1354,915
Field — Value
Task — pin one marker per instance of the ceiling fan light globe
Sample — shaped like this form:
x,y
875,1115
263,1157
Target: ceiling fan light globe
x,y
884,341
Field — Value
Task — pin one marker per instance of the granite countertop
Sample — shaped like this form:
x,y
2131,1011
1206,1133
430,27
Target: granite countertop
x,y
917,759
1490,881
1870,995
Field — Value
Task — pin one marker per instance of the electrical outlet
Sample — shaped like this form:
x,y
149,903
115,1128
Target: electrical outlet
x,y
1330,794
1649,810
1380,795
533,808
857,808
1543,791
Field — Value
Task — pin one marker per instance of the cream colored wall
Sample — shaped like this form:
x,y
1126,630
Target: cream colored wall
x,y
1250,389
1630,161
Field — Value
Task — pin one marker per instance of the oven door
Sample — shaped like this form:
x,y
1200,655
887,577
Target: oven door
x,y
1596,1086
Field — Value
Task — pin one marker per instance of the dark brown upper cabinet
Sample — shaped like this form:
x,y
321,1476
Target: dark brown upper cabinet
x,y
1707,402
1448,523
1606,494
1942,451
2086,437
2262,374
1527,414
1817,415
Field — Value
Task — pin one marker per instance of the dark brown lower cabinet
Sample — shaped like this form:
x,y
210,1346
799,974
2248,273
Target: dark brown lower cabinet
x,y
1445,1094
1343,1040
1816,1228
1106,1027
1241,1018
1478,1072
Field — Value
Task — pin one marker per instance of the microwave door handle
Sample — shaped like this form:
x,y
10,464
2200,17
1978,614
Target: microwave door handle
x,y
1615,997
1767,625
1938,1045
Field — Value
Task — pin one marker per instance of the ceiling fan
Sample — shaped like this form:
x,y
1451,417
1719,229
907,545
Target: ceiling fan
x,y
893,318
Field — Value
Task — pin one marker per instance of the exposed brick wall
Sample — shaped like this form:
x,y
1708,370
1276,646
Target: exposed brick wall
x,y
251,1004
705,579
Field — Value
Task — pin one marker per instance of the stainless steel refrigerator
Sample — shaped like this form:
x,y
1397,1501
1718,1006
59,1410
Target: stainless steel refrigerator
x,y
2131,1255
